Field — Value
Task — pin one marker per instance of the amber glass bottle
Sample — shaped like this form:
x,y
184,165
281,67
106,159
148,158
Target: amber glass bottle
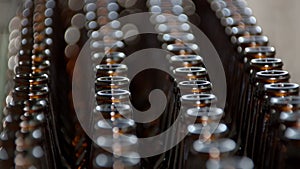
x,y
256,101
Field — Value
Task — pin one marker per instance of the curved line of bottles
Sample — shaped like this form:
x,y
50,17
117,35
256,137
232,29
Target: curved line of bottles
x,y
266,100
116,131
26,135
207,143
264,115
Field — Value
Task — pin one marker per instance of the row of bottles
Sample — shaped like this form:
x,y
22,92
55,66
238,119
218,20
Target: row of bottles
x,y
27,135
207,143
257,119
41,128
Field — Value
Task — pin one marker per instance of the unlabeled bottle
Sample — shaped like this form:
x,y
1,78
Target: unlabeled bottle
x,y
265,117
195,87
252,67
111,83
256,101
190,73
195,109
111,70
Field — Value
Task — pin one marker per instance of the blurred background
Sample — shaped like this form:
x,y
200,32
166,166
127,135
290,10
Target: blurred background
x,y
7,11
279,20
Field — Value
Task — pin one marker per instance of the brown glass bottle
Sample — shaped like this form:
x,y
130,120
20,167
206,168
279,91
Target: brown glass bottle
x,y
195,87
194,108
289,154
190,73
256,102
111,70
186,61
114,82
33,143
183,48
253,67
237,78
238,31
265,117
284,111
251,41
